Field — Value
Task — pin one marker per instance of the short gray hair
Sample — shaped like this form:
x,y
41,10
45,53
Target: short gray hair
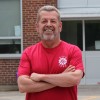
x,y
48,8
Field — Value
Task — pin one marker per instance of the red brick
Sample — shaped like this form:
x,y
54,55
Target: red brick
x,y
8,67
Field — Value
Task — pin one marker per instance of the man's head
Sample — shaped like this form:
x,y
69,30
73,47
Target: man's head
x,y
49,24
48,8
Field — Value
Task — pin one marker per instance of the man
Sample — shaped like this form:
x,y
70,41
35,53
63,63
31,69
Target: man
x,y
52,68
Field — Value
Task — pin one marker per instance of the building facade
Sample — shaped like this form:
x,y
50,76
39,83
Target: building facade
x,y
81,26
17,31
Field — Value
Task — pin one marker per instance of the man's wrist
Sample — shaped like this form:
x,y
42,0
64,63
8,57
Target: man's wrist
x,y
42,77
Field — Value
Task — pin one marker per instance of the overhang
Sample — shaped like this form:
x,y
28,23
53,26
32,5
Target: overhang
x,y
80,13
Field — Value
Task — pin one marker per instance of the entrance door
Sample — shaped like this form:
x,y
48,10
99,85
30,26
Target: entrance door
x,y
86,35
72,33
92,54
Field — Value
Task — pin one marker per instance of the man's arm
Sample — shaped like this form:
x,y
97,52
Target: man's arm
x,y
25,84
64,79
70,77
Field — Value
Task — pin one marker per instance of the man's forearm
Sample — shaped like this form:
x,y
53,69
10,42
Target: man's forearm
x,y
25,84
62,80
65,79
69,77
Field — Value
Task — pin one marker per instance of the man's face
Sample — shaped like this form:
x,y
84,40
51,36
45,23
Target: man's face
x,y
48,26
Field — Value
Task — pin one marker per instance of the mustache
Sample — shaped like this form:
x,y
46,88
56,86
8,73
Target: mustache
x,y
48,28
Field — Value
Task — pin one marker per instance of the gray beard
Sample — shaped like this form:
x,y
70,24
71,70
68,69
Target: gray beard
x,y
47,38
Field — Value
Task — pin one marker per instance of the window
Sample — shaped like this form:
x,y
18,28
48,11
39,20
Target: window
x,y
10,27
72,33
92,35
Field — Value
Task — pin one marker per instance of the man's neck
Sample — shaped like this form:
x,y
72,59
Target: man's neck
x,y
51,44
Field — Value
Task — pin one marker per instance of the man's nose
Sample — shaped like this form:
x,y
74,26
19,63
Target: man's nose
x,y
48,23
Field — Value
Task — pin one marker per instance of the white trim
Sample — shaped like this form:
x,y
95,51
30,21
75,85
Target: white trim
x,y
76,13
80,16
15,56
10,56
12,37
83,52
21,25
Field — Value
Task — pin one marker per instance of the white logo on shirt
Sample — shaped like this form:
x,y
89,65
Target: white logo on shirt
x,y
62,61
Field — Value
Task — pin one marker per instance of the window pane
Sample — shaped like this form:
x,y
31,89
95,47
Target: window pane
x,y
72,33
10,46
10,27
92,33
9,17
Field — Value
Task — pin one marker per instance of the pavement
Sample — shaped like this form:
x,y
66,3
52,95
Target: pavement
x,y
89,92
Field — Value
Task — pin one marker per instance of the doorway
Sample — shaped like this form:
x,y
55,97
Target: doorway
x,y
86,35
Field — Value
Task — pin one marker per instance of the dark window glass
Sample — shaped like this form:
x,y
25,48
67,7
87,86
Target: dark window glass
x,y
92,35
72,33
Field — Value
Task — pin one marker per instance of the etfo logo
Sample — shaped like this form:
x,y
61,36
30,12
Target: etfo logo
x,y
62,61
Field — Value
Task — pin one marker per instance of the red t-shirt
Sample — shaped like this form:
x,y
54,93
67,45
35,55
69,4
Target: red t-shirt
x,y
43,60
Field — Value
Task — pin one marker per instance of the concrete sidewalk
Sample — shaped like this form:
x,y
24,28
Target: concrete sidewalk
x,y
84,93
89,92
12,95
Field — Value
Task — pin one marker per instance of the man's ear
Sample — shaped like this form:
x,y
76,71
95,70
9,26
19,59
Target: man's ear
x,y
60,26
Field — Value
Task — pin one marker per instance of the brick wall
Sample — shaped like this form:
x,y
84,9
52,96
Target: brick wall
x,y
30,8
8,67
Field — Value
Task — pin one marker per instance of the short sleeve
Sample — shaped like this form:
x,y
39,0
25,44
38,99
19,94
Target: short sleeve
x,y
76,58
24,65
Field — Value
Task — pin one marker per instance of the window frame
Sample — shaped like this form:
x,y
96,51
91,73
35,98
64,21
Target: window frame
x,y
15,55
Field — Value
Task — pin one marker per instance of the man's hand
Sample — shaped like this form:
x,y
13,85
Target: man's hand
x,y
70,68
36,77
